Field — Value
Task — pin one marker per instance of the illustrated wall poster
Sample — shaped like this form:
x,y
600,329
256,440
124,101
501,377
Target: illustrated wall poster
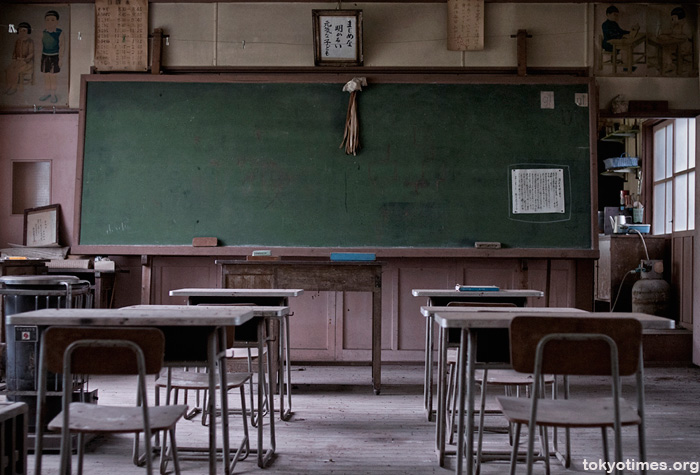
x,y
34,56
645,40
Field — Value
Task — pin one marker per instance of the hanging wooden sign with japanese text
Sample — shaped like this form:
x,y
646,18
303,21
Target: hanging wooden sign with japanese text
x,y
465,25
121,35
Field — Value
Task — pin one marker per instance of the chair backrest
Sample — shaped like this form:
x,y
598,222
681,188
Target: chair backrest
x,y
580,357
104,360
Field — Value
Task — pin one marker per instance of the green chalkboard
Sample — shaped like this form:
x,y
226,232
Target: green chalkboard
x,y
260,164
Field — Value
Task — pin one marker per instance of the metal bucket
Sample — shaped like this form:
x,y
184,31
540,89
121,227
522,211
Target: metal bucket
x,y
23,294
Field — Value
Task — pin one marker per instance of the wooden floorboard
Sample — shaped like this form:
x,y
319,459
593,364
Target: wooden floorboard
x,y
340,427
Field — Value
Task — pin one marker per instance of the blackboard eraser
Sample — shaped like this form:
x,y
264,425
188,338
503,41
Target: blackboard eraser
x,y
487,245
205,242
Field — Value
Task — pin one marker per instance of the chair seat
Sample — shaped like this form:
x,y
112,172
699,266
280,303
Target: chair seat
x,y
242,352
86,417
568,412
195,380
508,377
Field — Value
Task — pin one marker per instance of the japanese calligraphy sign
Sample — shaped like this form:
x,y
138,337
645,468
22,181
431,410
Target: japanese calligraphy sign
x,y
337,37
465,25
538,190
121,35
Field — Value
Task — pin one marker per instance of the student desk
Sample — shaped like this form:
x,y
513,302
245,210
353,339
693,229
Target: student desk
x,y
318,275
261,313
193,335
282,360
666,44
489,318
429,313
437,297
626,47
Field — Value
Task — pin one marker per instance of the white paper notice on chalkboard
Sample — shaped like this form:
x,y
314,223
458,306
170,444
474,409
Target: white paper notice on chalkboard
x,y
538,190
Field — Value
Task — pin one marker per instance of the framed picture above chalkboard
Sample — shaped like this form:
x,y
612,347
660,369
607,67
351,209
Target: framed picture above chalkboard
x,y
41,226
337,37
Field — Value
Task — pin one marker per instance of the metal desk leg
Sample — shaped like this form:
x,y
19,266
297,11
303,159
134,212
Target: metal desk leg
x,y
264,456
440,426
466,366
223,387
428,380
285,369
213,357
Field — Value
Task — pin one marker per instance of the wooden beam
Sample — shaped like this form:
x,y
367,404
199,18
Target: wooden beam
x,y
157,51
522,37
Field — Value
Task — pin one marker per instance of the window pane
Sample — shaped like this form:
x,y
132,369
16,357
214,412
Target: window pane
x,y
691,143
659,208
659,155
681,146
669,151
31,185
668,222
691,200
680,212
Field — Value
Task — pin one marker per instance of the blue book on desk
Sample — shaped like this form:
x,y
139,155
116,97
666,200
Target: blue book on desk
x,y
477,288
353,256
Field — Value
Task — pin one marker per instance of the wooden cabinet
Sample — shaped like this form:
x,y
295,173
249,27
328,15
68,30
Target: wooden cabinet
x,y
620,254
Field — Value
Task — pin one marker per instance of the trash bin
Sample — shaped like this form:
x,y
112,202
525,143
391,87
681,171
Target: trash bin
x,y
23,294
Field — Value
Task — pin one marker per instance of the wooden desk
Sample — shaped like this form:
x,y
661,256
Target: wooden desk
x,y
429,312
626,47
662,43
261,313
281,364
436,297
320,276
193,335
465,321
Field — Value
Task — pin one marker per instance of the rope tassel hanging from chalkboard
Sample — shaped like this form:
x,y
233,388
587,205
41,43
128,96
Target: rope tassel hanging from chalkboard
x,y
351,136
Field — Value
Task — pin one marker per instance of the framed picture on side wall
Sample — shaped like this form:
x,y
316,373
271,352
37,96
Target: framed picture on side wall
x,y
337,37
41,226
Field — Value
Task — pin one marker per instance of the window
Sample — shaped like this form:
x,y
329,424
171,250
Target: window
x,y
31,185
674,176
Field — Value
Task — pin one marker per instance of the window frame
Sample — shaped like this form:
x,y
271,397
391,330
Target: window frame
x,y
652,200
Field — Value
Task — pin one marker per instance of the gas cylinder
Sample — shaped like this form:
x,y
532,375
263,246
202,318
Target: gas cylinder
x,y
651,293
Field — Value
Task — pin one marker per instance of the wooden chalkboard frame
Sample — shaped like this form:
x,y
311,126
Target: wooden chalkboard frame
x,y
340,76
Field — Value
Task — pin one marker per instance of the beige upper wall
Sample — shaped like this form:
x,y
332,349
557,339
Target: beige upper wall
x,y
412,34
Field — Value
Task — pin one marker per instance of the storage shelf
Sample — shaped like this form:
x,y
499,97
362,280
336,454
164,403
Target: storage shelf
x,y
620,136
620,172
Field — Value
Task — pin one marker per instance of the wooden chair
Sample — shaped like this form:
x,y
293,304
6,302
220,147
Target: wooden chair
x,y
575,346
602,57
174,380
104,351
241,356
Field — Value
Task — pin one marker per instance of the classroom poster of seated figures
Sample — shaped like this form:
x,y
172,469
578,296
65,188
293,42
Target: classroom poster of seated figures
x,y
645,40
34,56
